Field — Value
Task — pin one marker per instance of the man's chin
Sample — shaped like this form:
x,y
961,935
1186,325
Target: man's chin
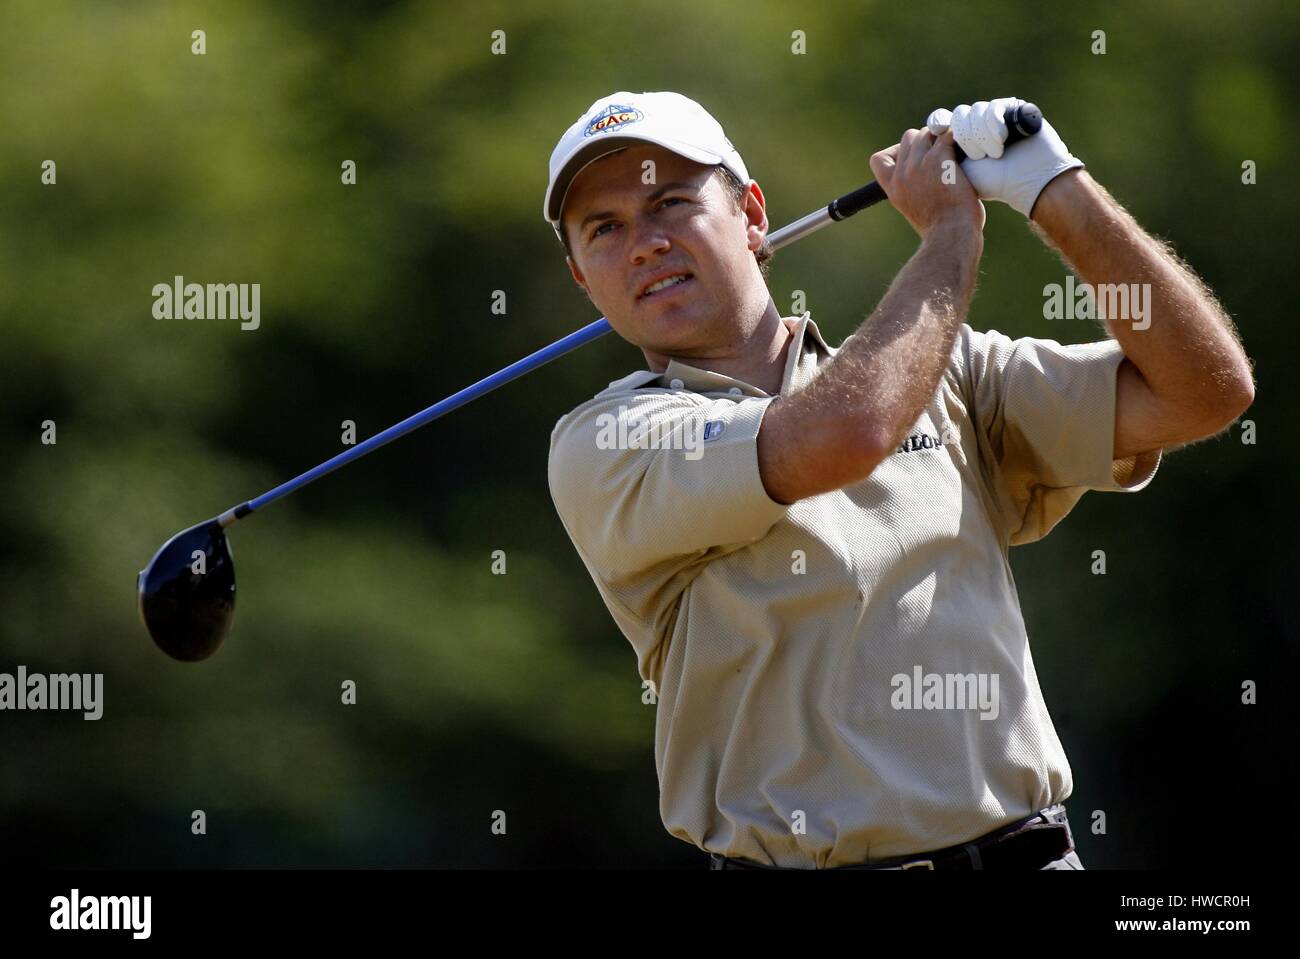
x,y
665,333
667,342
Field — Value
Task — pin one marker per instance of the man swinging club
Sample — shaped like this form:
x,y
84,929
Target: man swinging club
x,y
822,598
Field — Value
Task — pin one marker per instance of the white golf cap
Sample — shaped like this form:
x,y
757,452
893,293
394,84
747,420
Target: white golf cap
x,y
624,119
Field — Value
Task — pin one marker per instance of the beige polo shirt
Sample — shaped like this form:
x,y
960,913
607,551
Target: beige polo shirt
x,y
847,678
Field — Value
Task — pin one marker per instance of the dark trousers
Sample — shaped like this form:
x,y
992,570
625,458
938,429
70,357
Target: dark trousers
x,y
1040,841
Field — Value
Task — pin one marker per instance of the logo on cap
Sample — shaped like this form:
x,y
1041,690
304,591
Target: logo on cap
x,y
612,117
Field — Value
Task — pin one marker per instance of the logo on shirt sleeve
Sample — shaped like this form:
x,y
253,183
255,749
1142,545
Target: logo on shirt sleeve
x,y
630,429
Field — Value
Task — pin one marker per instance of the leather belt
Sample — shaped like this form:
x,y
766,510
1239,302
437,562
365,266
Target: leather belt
x,y
1029,843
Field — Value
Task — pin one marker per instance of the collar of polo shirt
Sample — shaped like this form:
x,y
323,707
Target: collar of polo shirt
x,y
680,376
683,376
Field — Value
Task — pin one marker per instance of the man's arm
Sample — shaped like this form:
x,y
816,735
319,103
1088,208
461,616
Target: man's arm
x,y
1185,375
857,409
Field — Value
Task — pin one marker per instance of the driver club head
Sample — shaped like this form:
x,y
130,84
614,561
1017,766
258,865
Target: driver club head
x,y
187,592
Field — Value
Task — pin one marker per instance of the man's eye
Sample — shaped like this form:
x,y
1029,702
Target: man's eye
x,y
672,199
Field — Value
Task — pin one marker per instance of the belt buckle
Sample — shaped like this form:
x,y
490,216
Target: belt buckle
x,y
919,864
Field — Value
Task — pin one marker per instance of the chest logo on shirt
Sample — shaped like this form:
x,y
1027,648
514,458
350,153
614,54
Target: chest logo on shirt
x,y
928,441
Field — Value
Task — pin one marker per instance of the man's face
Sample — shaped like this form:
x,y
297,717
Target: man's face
x,y
624,233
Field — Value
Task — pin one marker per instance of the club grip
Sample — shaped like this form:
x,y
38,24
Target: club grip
x,y
1022,121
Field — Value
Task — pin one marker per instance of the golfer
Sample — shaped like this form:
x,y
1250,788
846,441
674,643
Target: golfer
x,y
807,546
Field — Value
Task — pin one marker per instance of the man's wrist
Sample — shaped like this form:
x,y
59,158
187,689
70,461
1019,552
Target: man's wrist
x,y
957,234
1062,198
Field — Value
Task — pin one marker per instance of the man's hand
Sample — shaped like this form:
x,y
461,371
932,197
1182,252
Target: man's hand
x,y
1019,176
911,173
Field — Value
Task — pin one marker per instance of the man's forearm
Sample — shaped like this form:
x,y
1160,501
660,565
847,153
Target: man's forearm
x,y
1185,347
839,427
886,373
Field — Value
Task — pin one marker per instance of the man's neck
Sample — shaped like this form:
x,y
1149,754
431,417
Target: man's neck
x,y
759,361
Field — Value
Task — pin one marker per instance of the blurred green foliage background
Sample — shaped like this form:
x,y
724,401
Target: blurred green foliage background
x,y
479,692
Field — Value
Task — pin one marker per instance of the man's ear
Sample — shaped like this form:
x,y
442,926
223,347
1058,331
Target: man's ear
x,y
755,213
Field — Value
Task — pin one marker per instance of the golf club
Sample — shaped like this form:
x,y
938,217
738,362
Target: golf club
x,y
187,592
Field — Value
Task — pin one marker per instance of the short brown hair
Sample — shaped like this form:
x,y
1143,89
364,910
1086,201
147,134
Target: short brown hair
x,y
736,190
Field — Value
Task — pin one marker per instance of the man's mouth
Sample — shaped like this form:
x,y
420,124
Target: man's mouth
x,y
666,285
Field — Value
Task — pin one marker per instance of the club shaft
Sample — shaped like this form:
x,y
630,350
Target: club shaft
x,y
838,209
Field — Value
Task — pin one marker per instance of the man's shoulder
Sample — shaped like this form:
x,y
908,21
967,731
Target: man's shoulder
x,y
586,442
630,395
630,387
991,350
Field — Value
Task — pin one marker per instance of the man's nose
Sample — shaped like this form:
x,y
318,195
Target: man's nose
x,y
649,238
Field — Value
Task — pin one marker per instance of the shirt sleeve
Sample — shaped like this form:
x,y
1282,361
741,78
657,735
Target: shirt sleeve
x,y
652,486
1044,417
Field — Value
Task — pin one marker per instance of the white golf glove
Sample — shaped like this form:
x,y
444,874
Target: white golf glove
x,y
1016,179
